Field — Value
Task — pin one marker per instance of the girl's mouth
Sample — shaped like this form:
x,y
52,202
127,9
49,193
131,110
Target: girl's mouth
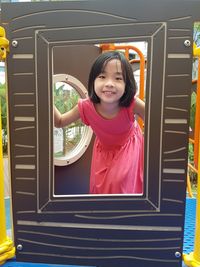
x,y
108,93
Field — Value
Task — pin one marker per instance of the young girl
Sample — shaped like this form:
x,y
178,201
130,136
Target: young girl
x,y
117,162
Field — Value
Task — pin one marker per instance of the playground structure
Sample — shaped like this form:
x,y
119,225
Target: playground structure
x,y
195,139
191,260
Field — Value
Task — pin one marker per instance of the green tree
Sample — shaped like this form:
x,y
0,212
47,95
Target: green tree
x,y
3,116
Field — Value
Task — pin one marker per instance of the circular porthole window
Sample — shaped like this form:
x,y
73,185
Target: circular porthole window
x,y
70,142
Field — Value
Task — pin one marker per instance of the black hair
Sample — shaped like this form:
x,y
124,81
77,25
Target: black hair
x,y
127,72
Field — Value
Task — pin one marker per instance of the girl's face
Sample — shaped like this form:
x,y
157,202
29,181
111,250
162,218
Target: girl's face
x,y
110,85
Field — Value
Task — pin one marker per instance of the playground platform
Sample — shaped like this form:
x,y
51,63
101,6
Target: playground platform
x,y
188,246
189,230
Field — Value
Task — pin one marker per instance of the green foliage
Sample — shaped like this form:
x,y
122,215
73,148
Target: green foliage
x,y
196,34
192,174
191,153
193,109
192,124
3,115
65,99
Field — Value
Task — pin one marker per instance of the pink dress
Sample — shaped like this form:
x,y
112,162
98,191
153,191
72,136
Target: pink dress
x,y
117,162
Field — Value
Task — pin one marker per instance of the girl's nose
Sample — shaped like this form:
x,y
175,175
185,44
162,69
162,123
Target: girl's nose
x,y
109,82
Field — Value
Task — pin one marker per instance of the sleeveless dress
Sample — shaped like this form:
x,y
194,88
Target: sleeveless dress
x,y
117,161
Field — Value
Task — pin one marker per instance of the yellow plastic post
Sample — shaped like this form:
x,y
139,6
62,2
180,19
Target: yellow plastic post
x,y
4,44
196,50
193,259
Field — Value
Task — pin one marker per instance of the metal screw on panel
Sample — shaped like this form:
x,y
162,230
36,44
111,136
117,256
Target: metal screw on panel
x,y
177,254
19,247
14,43
187,43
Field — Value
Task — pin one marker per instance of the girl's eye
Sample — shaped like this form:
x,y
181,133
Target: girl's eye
x,y
101,76
119,78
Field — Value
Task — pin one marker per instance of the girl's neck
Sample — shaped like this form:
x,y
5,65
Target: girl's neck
x,y
107,111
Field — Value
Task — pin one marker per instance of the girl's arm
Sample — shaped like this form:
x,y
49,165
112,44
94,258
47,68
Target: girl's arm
x,y
139,108
62,120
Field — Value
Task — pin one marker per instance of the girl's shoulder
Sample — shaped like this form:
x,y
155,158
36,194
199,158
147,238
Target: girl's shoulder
x,y
130,109
85,103
132,104
85,107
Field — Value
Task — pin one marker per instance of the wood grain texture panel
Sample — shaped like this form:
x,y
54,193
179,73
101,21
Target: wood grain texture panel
x,y
101,231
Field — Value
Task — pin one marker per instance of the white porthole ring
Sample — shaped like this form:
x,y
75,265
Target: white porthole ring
x,y
83,144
